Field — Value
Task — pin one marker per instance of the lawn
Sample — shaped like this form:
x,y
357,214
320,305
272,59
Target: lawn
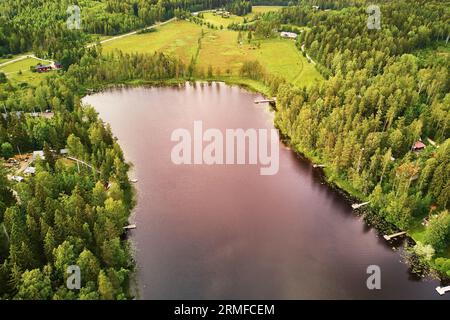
x,y
219,48
13,70
217,20
178,38
264,9
278,56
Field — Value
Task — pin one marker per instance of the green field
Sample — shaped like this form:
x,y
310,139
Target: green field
x,y
219,48
217,20
178,38
263,9
19,71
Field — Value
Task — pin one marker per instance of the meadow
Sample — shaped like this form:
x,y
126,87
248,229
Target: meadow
x,y
178,38
218,20
19,71
220,49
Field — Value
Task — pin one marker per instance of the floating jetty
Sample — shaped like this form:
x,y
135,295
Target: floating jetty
x,y
265,101
389,237
130,227
359,205
442,290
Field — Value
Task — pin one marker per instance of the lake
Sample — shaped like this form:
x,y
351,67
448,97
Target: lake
x,y
227,232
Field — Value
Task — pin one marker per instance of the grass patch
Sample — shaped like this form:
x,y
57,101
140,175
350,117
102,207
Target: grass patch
x,y
217,20
263,9
179,38
220,50
278,56
13,70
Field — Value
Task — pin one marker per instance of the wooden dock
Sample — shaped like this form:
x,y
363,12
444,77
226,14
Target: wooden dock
x,y
265,101
442,290
389,237
359,205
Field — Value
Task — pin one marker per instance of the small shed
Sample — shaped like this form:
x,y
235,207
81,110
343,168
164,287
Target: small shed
x,y
418,145
39,153
30,170
289,35
17,178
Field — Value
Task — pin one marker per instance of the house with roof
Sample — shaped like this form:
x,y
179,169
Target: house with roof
x,y
39,153
288,35
418,146
42,68
30,170
57,65
17,178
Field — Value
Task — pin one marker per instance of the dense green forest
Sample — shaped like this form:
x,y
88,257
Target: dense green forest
x,y
381,97
40,25
69,214
386,89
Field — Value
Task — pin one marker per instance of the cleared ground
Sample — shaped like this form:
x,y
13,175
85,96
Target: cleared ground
x,y
217,20
19,71
220,49
178,38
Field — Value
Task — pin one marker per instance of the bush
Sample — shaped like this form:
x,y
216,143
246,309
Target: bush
x,y
6,150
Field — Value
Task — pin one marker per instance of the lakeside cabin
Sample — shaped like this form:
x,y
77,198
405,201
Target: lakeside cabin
x,y
418,146
288,35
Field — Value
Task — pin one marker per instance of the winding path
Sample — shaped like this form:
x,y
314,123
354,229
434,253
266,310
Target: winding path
x,y
26,56
23,57
131,33
307,55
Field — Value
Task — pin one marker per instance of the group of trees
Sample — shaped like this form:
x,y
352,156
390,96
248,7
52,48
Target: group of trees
x,y
378,101
41,25
239,7
265,25
70,214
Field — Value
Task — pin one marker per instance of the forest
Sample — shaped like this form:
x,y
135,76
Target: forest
x,y
385,90
69,214
381,98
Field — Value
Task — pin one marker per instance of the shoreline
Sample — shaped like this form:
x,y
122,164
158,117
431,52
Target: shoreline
x,y
338,185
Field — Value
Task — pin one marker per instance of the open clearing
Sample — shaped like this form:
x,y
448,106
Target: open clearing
x,y
19,71
220,49
218,20
178,38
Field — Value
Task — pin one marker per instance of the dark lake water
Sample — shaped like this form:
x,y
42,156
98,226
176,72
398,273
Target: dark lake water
x,y
227,232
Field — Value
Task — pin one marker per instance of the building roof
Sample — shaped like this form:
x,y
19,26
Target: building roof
x,y
288,34
418,145
30,170
39,153
17,178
